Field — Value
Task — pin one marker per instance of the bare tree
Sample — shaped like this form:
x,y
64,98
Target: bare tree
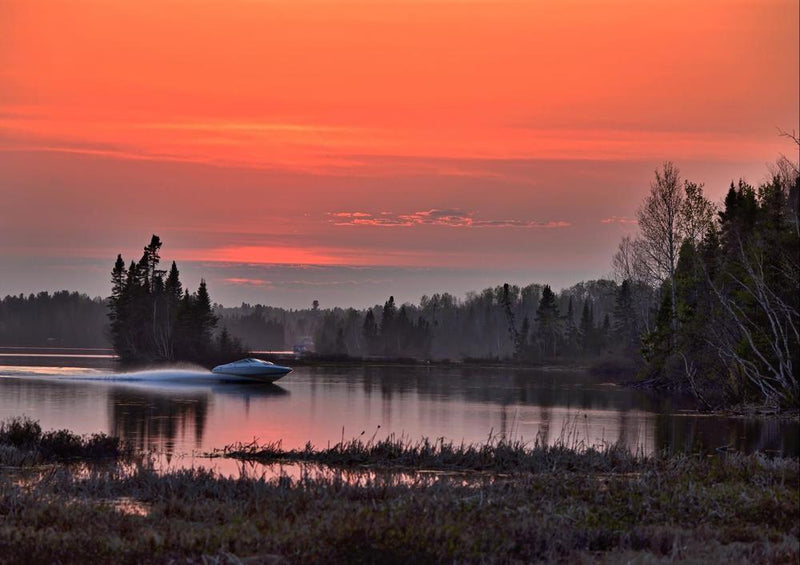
x,y
787,171
697,213
766,359
630,262
661,226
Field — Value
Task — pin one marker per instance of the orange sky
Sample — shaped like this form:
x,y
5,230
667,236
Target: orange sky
x,y
489,136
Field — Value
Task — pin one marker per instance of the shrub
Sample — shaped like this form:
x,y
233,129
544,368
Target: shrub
x,y
20,431
61,444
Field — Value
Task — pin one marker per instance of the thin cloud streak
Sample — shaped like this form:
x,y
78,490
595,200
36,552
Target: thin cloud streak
x,y
435,217
619,220
320,148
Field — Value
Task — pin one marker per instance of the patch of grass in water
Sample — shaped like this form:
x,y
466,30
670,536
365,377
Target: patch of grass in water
x,y
498,454
22,443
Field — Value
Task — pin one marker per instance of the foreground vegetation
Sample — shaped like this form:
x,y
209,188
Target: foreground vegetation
x,y
548,505
22,443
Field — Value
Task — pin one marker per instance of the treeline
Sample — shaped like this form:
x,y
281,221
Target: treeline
x,y
61,319
728,281
260,327
507,322
152,318
706,297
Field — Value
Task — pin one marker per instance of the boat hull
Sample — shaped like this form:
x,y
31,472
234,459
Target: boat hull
x,y
255,372
262,378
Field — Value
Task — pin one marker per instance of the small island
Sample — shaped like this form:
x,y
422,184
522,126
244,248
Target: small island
x,y
154,320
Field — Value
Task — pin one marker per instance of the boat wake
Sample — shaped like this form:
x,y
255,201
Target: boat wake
x,y
188,374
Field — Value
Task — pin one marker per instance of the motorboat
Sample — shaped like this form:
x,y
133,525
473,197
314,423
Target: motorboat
x,y
252,370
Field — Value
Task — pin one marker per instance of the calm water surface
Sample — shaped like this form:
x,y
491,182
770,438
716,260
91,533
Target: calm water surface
x,y
184,412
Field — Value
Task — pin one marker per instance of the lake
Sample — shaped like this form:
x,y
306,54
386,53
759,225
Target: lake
x,y
184,412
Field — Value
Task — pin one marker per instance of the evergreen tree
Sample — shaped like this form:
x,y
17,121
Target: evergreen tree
x,y
183,342
605,332
341,346
152,319
587,329
422,338
203,317
548,323
172,286
521,347
115,302
370,332
657,345
571,332
327,338
506,300
403,332
625,329
388,334
149,262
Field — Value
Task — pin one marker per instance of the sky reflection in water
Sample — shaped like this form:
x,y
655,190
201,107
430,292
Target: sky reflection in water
x,y
186,411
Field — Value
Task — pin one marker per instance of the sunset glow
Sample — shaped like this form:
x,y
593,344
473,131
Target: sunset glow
x,y
473,134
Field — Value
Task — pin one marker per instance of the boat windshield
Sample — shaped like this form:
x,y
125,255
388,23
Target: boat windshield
x,y
252,361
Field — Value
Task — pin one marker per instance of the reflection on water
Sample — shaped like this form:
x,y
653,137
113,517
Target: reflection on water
x,y
153,421
155,418
183,412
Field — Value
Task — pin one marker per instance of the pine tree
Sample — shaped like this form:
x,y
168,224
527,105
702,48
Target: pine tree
x,y
512,325
116,312
625,328
521,347
388,333
658,344
149,262
587,328
370,332
605,332
172,286
183,344
549,324
204,319
571,329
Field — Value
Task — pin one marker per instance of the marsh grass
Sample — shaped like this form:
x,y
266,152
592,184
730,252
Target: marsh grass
x,y
498,454
548,505
23,443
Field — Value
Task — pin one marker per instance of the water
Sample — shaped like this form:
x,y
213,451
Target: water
x,y
184,412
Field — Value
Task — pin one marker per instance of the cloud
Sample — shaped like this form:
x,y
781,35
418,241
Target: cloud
x,y
619,220
241,281
434,217
350,214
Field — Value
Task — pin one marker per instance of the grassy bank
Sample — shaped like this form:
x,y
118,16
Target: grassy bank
x,y
571,506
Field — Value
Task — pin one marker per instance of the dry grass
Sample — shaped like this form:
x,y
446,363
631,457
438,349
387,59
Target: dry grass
x,y
586,506
22,443
498,454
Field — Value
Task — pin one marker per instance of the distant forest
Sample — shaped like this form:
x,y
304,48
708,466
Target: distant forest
x,y
443,326
705,298
61,319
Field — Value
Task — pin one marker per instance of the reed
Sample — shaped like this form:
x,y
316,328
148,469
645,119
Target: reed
x,y
500,454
